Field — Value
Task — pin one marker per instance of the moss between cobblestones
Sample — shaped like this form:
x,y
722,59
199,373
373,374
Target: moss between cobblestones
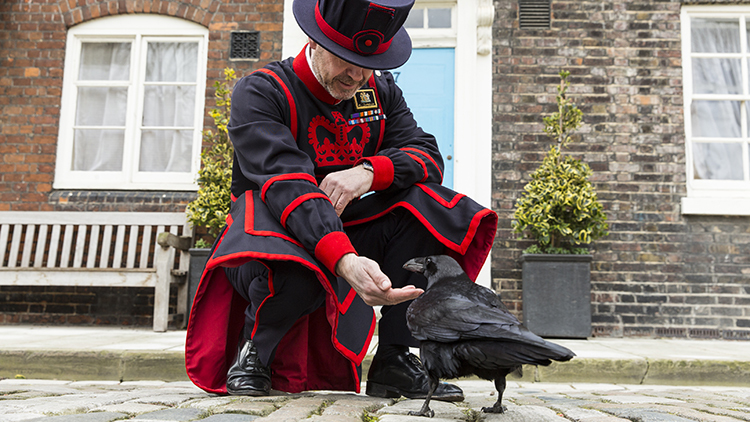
x,y
367,417
367,413
319,411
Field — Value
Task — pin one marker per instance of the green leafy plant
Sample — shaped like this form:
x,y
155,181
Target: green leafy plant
x,y
211,207
559,207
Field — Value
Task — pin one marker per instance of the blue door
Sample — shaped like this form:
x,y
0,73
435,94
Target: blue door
x,y
427,82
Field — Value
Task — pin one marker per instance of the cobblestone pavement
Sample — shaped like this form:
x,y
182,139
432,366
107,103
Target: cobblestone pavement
x,y
145,401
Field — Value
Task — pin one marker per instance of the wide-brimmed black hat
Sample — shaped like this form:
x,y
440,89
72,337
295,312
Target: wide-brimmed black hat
x,y
369,34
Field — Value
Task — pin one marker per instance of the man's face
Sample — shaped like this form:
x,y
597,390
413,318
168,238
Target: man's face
x,y
340,78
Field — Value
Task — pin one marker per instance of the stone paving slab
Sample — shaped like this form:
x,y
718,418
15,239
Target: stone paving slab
x,y
153,401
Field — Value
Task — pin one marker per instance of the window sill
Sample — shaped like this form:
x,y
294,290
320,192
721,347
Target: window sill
x,y
715,206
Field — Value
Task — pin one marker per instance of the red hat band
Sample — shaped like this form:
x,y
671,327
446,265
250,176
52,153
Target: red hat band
x,y
365,42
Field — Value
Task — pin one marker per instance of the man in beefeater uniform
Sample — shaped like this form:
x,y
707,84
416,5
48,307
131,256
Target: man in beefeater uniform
x,y
285,301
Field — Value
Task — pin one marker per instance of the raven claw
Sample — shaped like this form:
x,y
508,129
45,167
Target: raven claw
x,y
428,413
494,409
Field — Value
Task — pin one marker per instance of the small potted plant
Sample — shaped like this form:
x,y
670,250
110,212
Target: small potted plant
x,y
560,212
208,211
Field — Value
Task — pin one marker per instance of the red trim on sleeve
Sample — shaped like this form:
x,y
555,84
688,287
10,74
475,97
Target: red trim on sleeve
x,y
250,223
289,98
382,167
289,176
421,163
428,156
332,247
298,201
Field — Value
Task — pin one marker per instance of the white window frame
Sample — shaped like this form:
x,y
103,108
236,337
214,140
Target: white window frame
x,y
714,197
138,29
434,37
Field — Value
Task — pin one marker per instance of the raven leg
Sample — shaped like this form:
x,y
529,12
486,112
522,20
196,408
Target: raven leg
x,y
498,406
425,410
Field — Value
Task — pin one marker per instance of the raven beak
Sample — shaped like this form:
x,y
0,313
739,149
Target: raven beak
x,y
415,265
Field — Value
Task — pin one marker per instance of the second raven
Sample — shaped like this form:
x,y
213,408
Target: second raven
x,y
464,329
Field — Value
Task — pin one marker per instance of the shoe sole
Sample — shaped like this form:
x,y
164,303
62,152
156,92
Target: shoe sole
x,y
387,392
253,393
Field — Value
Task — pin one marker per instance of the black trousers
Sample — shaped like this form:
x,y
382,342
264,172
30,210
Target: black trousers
x,y
282,292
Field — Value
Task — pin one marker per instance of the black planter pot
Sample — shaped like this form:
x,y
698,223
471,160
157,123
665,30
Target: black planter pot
x,y
198,259
557,295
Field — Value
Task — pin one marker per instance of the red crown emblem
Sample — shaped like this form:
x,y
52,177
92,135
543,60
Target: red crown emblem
x,y
337,143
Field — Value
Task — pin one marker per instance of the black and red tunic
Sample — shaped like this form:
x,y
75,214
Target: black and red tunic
x,y
288,133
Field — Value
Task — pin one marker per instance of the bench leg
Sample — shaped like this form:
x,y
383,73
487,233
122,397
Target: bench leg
x,y
163,258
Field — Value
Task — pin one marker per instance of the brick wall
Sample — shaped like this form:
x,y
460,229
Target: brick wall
x,y
658,273
32,41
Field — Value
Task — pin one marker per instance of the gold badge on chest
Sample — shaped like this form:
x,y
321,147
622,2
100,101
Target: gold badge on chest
x,y
365,99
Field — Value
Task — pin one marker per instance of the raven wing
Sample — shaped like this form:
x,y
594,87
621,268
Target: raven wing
x,y
454,311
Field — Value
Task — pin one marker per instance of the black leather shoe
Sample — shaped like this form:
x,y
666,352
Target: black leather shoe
x,y
247,376
395,372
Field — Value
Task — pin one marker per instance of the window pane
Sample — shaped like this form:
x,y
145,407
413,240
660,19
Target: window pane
x,y
101,106
717,161
717,76
104,62
98,150
715,119
172,62
169,106
715,35
415,19
439,18
166,150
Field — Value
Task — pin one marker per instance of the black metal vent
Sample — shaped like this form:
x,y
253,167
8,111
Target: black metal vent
x,y
245,45
534,14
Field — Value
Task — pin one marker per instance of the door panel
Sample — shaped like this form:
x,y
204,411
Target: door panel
x,y
427,81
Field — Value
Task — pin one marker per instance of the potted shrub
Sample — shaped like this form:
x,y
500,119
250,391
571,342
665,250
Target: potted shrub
x,y
209,210
560,211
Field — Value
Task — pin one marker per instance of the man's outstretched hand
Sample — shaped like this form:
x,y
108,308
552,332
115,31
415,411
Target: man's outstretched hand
x,y
370,283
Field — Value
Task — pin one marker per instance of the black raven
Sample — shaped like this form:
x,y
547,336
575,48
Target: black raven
x,y
465,329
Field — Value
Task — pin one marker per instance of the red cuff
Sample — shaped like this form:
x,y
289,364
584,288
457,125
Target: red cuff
x,y
382,167
332,247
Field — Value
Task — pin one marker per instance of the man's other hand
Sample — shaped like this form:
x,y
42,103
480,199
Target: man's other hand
x,y
345,185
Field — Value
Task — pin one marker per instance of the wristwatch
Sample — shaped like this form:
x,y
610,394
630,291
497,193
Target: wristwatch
x,y
368,166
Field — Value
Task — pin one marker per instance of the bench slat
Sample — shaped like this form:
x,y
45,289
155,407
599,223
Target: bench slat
x,y
67,243
79,247
93,246
132,244
119,241
4,230
79,277
53,242
145,247
41,243
28,242
15,244
106,242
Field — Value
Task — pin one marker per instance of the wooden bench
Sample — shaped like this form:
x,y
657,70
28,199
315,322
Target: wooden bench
x,y
112,249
